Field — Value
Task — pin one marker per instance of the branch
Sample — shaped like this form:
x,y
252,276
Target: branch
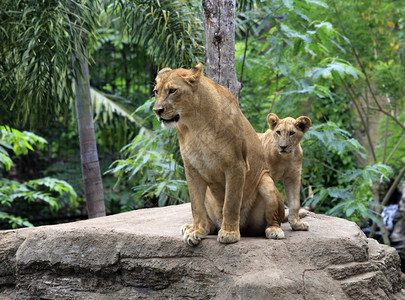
x,y
380,109
272,102
374,157
384,234
244,56
393,187
394,149
385,140
366,75
327,166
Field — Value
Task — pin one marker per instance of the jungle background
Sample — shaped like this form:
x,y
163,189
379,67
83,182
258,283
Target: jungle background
x,y
339,62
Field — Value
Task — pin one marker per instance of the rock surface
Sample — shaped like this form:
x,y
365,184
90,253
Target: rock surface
x,y
141,254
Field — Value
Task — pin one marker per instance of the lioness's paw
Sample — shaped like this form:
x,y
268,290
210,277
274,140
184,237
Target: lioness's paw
x,y
228,237
192,237
274,233
299,225
184,228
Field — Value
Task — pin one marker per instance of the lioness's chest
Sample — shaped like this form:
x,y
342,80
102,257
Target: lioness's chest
x,y
206,151
206,161
211,149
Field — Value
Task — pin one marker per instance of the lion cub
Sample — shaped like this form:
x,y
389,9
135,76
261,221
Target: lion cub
x,y
284,155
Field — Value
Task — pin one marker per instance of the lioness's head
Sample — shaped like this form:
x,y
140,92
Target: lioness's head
x,y
288,132
174,94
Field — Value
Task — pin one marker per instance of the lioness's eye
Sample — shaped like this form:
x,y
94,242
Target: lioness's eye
x,y
171,91
155,92
278,132
292,132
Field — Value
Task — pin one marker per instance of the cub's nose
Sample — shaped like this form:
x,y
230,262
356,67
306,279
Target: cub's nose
x,y
283,147
158,110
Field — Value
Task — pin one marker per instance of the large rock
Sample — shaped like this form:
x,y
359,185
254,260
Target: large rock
x,y
141,254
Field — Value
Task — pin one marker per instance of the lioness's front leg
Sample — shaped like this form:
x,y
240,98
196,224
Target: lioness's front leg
x,y
193,234
292,191
274,210
234,184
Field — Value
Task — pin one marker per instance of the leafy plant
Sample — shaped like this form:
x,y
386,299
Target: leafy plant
x,y
46,190
171,31
152,166
37,42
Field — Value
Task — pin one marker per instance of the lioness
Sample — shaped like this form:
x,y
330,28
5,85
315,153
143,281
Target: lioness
x,y
284,155
230,189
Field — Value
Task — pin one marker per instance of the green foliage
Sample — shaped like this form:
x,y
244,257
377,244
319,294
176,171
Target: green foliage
x,y
353,199
14,221
19,142
37,42
152,166
47,190
289,59
171,31
392,147
115,124
105,108
333,69
113,47
333,139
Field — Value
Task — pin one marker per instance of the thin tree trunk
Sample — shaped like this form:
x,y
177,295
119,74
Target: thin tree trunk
x,y
93,185
219,28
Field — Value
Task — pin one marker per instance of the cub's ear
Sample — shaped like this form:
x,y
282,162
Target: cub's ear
x,y
194,74
162,73
272,120
303,123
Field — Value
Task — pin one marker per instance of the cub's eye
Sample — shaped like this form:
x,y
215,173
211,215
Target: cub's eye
x,y
155,92
292,132
172,91
278,132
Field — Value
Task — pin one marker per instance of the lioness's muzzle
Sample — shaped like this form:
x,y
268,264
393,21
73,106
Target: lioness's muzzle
x,y
159,110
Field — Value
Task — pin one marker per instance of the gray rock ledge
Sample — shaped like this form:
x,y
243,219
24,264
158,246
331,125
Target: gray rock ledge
x,y
141,255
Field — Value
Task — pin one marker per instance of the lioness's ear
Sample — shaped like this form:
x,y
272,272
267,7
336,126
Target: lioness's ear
x,y
273,120
161,74
194,74
303,123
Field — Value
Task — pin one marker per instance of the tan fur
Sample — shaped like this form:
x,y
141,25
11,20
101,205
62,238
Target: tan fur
x,y
230,189
284,155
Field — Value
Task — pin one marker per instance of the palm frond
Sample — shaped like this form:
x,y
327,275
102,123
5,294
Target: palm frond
x,y
37,42
171,31
105,108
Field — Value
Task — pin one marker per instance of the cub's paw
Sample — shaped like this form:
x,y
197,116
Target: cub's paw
x,y
228,237
299,225
274,232
192,237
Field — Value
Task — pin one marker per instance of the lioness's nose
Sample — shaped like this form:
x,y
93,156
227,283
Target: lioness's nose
x,y
158,110
283,147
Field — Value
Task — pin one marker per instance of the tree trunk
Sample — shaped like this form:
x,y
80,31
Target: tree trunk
x,y
93,185
219,28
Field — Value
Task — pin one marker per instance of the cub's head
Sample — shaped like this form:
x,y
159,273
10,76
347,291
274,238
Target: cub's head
x,y
174,93
288,132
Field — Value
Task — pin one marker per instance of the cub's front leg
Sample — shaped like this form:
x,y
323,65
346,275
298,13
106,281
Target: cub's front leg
x,y
292,191
193,234
234,184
